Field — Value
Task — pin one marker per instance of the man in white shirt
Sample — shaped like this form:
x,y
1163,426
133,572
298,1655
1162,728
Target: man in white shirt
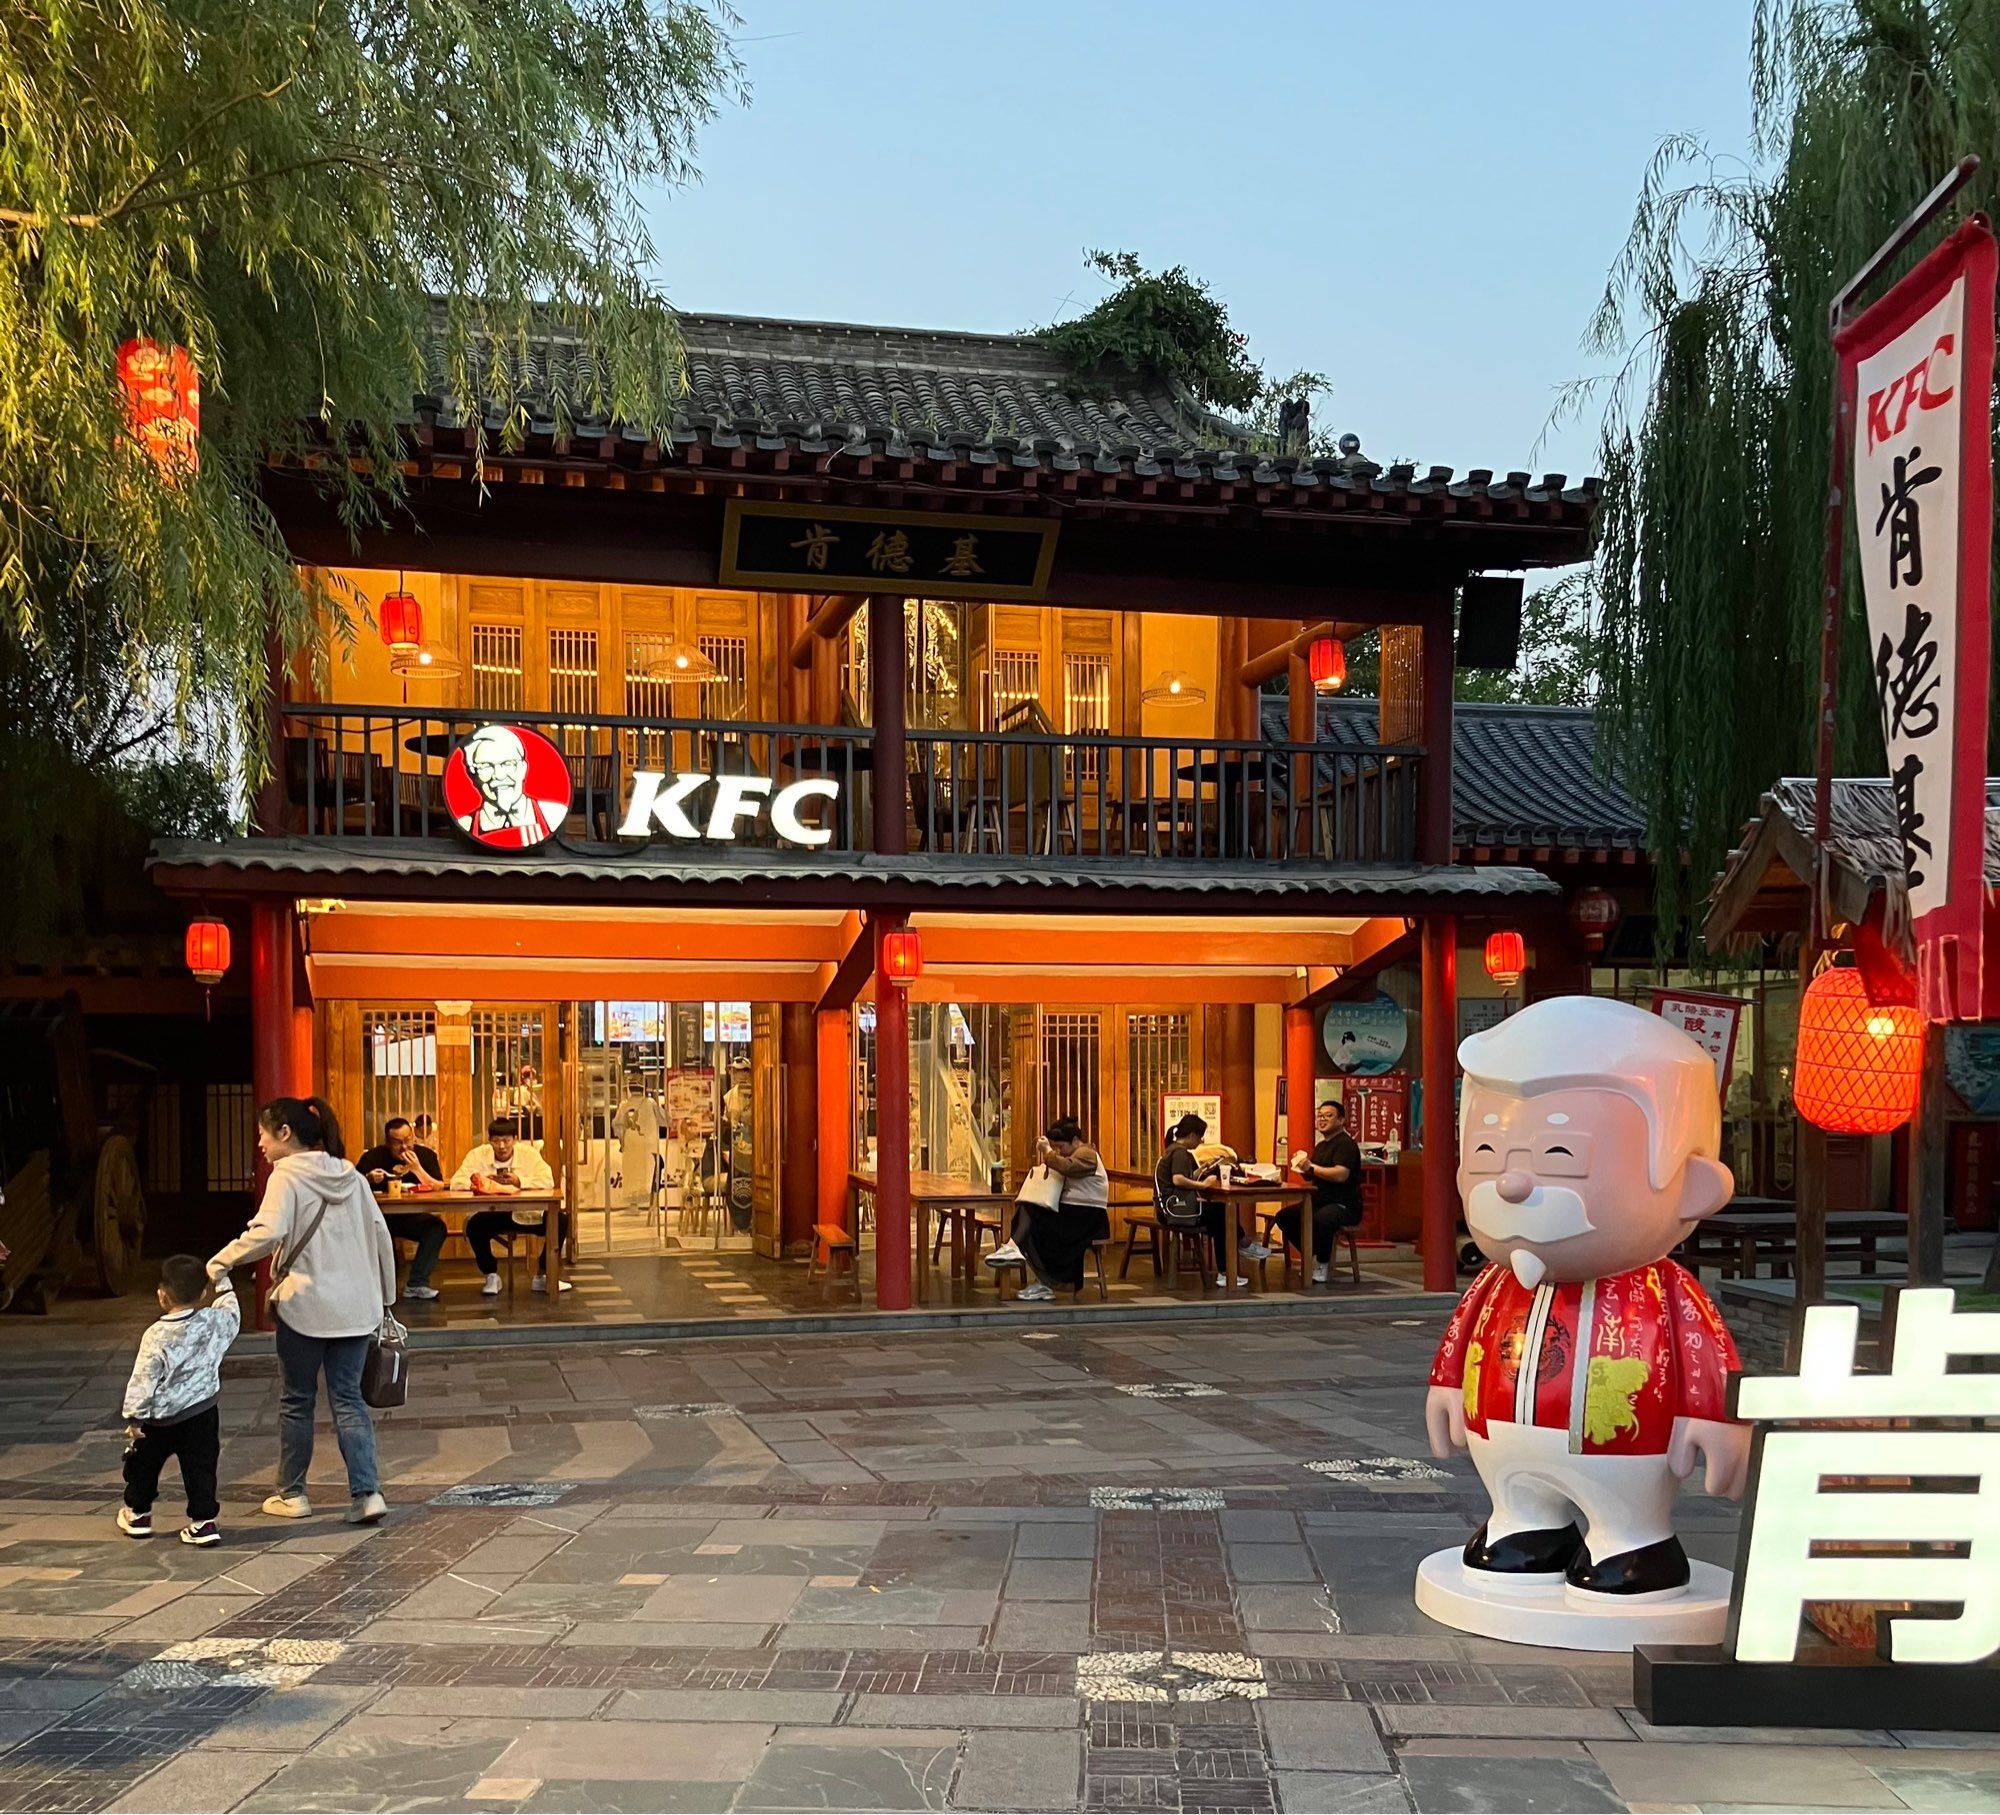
x,y
503,1166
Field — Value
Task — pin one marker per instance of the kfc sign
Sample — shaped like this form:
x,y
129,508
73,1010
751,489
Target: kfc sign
x,y
695,804
507,787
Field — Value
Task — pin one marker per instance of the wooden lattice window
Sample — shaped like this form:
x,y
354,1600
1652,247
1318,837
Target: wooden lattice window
x,y
1086,707
727,694
230,1113
1072,1066
1014,680
573,671
1159,1061
399,1071
496,667
508,1071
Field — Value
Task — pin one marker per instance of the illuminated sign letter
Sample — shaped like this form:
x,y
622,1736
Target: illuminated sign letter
x,y
785,818
654,802
736,797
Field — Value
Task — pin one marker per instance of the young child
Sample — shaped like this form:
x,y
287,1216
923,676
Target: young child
x,y
170,1401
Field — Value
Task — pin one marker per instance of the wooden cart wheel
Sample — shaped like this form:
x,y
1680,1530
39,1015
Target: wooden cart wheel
x,y
118,1215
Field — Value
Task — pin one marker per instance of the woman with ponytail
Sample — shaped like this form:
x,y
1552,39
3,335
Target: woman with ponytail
x,y
334,1277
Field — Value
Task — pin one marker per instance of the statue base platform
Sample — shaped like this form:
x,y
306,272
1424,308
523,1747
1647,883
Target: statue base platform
x,y
1500,1607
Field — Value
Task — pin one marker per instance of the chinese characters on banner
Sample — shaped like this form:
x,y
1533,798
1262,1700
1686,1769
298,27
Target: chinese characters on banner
x,y
1709,1021
830,548
1917,371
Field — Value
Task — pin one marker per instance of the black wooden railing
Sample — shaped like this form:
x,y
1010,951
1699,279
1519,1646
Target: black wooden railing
x,y
364,771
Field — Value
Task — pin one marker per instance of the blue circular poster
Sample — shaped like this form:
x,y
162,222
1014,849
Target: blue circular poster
x,y
1365,1039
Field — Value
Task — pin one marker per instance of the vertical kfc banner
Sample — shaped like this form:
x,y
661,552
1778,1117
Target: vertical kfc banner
x,y
1917,370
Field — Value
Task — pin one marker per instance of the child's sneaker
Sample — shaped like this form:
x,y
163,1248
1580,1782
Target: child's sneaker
x,y
202,1532
135,1524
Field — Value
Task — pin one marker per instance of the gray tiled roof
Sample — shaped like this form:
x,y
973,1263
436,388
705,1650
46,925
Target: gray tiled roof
x,y
1523,777
981,400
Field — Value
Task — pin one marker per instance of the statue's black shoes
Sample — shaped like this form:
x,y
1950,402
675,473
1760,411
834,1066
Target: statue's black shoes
x,y
1651,1569
1525,1553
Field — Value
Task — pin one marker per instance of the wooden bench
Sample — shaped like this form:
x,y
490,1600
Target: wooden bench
x,y
833,1250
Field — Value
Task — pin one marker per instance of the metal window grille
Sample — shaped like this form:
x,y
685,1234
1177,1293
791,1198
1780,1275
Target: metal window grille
x,y
727,695
1086,707
1015,680
1158,1052
398,1069
508,1070
496,667
1072,1054
230,1111
159,1127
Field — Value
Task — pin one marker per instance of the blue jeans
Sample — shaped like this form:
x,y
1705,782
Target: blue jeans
x,y
301,1360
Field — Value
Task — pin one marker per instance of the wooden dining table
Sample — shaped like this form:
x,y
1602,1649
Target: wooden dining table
x,y
1250,1191
456,1206
934,1194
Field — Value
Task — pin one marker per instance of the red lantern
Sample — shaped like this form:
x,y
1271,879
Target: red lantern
x,y
1506,958
1859,1062
1326,662
207,951
902,957
402,622
162,403
1595,914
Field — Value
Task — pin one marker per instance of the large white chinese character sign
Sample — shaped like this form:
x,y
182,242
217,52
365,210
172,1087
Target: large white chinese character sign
x,y
1917,371
1585,1372
1855,1500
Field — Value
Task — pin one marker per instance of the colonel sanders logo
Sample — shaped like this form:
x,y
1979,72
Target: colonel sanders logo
x,y
507,787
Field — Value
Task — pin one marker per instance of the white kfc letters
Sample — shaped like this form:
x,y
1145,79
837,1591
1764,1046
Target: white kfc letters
x,y
659,805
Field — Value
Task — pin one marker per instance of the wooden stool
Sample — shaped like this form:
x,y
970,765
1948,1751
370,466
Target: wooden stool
x,y
1305,1277
1148,1223
1003,1269
834,1248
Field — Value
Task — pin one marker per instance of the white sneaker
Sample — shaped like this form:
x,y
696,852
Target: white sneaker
x,y
1319,1274
1035,1294
540,1283
1241,1280
1008,1254
420,1291
135,1525
491,1289
367,1509
1254,1251
288,1506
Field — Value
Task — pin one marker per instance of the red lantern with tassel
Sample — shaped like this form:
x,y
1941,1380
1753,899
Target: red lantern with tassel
x,y
1506,957
162,394
1595,914
1326,662
1859,1062
402,621
902,957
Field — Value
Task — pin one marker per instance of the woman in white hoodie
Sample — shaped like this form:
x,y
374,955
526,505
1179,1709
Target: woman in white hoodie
x,y
334,1277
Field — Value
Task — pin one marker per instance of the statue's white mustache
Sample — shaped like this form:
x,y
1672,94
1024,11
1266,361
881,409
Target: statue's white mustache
x,y
1548,1213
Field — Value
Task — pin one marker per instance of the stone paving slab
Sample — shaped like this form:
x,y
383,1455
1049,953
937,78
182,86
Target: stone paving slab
x,y
929,1570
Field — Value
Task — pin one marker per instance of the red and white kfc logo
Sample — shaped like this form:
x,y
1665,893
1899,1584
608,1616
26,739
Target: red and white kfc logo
x,y
507,787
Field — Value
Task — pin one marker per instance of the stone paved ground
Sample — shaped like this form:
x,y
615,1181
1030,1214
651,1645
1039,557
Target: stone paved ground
x,y
1111,1568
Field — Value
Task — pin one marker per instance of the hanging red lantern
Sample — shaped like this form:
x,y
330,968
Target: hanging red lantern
x,y
402,621
1859,1062
1506,958
1595,914
162,403
902,957
207,951
1326,662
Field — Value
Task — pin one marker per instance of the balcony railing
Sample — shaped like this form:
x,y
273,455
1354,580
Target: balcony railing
x,y
364,771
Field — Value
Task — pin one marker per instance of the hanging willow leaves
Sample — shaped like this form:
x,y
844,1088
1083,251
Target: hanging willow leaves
x,y
280,188
1715,428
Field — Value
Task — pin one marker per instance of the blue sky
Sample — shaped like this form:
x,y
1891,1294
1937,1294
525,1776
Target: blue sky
x,y
1420,201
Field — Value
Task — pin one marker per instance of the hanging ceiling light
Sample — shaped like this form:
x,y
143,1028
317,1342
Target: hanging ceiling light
x,y
431,662
1174,688
677,659
1326,662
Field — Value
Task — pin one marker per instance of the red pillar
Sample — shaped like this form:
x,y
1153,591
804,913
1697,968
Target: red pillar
x,y
1434,843
1239,1079
273,1030
887,663
798,1193
1440,1009
833,1092
1301,1068
892,1128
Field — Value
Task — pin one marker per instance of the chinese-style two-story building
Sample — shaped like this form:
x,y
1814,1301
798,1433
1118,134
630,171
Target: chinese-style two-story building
x,y
900,657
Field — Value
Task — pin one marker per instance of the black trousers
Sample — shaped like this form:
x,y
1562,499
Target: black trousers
x,y
1328,1221
197,1441
427,1231
480,1231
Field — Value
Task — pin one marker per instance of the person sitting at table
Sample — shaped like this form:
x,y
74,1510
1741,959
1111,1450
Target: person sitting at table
x,y
504,1165
1333,1168
404,1160
1053,1242
1181,1169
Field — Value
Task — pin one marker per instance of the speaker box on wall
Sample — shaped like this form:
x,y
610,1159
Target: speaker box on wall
x,y
1489,622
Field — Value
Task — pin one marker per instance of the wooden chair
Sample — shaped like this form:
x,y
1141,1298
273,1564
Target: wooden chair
x,y
834,1251
1274,1239
1010,1269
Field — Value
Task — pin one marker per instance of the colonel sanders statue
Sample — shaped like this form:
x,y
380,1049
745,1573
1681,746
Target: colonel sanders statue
x,y
1584,1371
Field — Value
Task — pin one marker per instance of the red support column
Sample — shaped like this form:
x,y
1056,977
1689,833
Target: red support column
x,y
798,1192
834,1091
273,1034
888,765
1301,1068
1239,1079
1434,843
1440,1010
893,1237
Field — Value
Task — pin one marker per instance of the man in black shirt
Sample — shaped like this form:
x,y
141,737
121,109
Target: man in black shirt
x,y
1334,1168
399,1157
